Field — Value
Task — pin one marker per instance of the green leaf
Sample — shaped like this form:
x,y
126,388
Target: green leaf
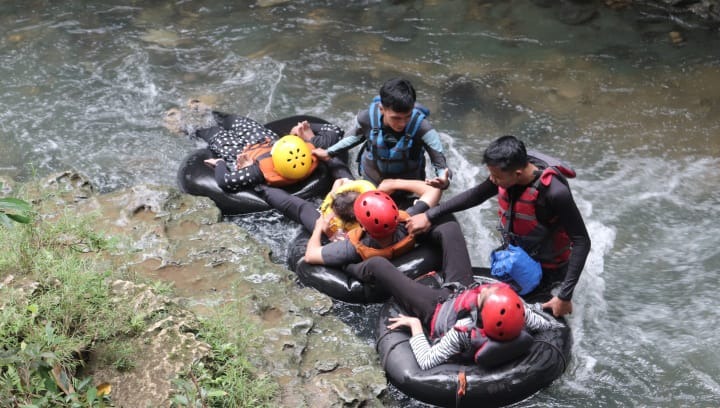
x,y
33,309
22,219
14,209
14,205
216,393
91,395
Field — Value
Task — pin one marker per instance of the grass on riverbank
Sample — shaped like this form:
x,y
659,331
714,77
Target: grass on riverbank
x,y
56,306
227,380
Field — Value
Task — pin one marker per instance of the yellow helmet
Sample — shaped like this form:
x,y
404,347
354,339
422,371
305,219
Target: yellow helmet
x,y
292,157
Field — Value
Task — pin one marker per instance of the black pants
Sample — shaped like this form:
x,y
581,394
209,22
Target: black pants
x,y
297,209
417,298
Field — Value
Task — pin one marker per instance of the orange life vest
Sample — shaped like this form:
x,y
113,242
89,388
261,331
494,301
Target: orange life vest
x,y
401,247
260,154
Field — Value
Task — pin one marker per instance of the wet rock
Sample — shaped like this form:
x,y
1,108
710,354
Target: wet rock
x,y
271,3
480,95
163,38
168,348
694,14
315,358
576,14
676,37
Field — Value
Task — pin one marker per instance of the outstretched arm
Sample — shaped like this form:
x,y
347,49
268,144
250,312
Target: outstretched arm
x,y
427,193
421,223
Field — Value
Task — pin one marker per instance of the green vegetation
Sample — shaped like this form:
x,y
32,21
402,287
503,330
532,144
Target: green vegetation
x,y
56,308
13,209
228,379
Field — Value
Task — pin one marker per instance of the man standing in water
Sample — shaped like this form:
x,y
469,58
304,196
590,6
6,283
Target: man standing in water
x,y
396,135
545,220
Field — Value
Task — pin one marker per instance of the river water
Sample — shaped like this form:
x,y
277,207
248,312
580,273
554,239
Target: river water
x,y
84,86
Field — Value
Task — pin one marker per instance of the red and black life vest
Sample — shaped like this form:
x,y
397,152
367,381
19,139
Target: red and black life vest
x,y
399,248
547,242
260,154
459,307
484,350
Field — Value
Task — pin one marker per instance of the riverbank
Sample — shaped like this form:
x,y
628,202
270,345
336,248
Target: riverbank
x,y
196,306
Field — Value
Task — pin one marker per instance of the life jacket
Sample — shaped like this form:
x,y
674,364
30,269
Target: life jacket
x,y
398,158
401,247
260,153
336,224
484,351
458,307
548,243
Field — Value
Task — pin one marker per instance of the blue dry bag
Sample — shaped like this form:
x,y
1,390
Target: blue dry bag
x,y
514,266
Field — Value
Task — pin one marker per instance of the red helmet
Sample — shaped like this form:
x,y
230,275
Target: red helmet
x,y
503,313
377,213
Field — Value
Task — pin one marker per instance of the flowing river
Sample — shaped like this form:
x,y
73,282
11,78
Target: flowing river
x,y
633,104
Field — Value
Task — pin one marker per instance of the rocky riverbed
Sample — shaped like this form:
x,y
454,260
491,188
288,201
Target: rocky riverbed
x,y
317,360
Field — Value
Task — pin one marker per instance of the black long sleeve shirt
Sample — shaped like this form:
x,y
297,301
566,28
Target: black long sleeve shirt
x,y
557,201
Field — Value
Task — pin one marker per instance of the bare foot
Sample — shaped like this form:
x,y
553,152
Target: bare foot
x,y
302,129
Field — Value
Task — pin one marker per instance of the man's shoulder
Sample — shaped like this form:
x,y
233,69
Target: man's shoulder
x,y
425,127
363,117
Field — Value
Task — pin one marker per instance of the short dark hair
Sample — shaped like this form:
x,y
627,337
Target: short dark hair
x,y
507,153
397,94
342,205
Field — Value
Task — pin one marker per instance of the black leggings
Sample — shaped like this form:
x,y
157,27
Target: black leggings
x,y
416,298
293,207
296,208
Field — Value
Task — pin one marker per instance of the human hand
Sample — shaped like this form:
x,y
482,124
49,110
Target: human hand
x,y
442,182
403,321
558,306
328,216
212,162
418,224
321,154
338,183
242,161
323,222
